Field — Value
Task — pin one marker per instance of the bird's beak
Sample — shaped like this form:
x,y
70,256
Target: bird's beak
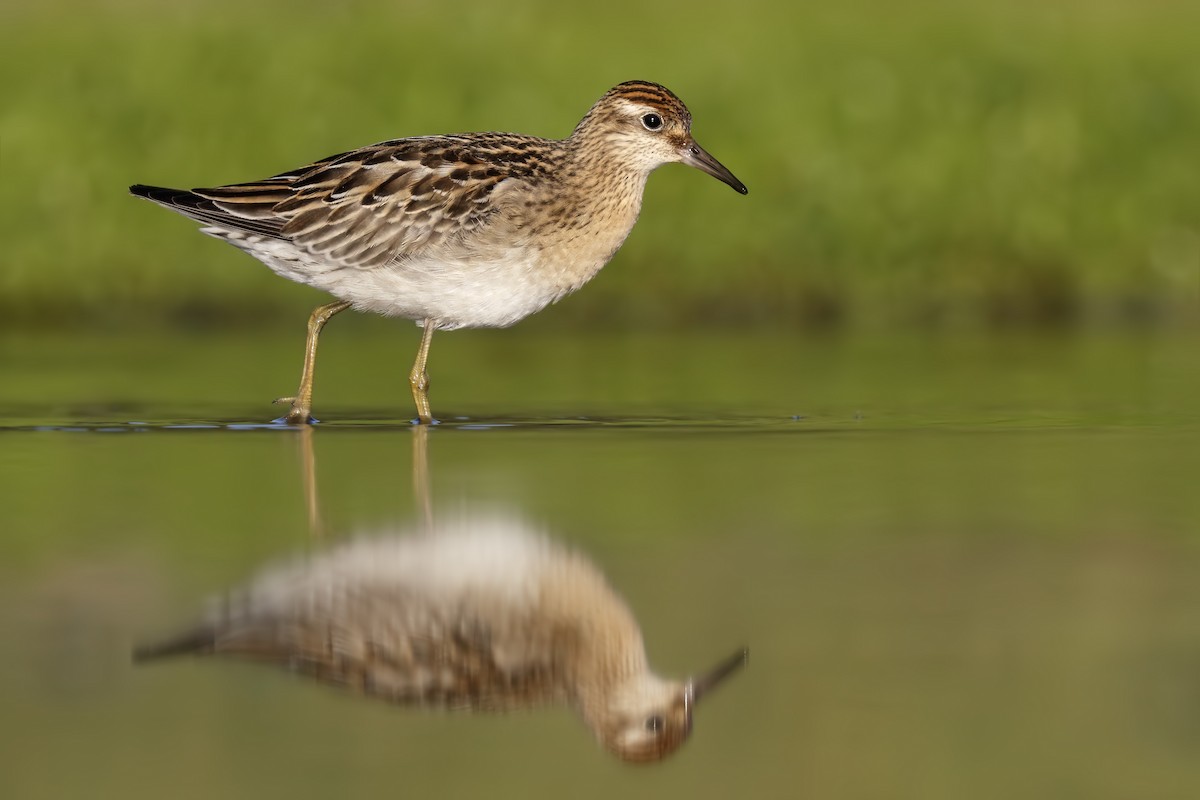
x,y
698,687
696,156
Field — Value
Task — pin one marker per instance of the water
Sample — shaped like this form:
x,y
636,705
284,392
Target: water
x,y
965,567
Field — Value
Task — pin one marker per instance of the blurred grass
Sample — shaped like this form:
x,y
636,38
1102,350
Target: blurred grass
x,y
955,163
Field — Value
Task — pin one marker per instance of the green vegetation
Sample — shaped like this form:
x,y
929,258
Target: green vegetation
x,y
956,162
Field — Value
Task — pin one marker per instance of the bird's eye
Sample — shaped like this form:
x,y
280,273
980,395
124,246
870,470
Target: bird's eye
x,y
652,122
656,723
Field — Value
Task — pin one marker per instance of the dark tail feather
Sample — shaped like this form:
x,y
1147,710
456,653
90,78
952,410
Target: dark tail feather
x,y
161,194
180,200
254,219
199,641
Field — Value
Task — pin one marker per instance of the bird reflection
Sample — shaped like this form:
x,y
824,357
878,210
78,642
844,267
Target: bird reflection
x,y
422,491
477,613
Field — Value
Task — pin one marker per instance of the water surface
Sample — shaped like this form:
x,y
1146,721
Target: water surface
x,y
965,568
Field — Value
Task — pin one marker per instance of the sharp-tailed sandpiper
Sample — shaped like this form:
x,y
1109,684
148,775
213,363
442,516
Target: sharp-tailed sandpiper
x,y
479,615
458,231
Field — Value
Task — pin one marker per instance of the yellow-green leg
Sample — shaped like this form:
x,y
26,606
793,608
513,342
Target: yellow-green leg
x,y
419,378
301,411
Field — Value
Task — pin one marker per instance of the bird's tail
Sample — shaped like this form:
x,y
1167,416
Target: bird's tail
x,y
198,641
245,208
168,197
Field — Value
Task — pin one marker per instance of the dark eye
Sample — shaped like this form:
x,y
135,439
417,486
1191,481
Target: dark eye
x,y
652,122
656,723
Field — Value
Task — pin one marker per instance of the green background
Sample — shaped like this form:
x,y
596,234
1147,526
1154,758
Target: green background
x,y
926,163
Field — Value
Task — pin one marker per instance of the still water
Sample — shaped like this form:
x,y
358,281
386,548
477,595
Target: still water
x,y
965,567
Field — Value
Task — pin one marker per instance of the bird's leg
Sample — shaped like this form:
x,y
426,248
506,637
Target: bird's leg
x,y
299,413
419,379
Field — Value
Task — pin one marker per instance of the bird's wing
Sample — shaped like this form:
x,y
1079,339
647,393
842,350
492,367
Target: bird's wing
x,y
389,201
397,651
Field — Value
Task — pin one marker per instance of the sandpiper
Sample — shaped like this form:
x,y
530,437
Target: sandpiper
x,y
481,615
458,231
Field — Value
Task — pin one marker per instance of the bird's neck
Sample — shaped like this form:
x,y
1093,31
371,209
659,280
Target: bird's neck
x,y
606,187
600,154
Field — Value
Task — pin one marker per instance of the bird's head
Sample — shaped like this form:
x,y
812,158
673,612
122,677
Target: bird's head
x,y
647,719
647,126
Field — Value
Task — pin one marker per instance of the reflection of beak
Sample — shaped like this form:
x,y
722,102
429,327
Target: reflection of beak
x,y
698,687
696,156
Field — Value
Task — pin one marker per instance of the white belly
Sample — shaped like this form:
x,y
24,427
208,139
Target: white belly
x,y
455,293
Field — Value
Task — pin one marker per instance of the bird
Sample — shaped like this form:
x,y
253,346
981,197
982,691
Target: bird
x,y
482,614
453,231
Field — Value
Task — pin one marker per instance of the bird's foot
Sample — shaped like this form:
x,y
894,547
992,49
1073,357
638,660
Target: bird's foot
x,y
297,414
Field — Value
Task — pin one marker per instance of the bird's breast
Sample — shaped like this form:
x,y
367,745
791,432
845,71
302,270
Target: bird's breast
x,y
574,234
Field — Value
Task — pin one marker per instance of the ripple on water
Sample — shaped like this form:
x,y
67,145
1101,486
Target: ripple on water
x,y
109,421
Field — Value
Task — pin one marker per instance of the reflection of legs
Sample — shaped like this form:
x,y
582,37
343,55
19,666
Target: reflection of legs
x,y
422,494
308,470
419,379
299,414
